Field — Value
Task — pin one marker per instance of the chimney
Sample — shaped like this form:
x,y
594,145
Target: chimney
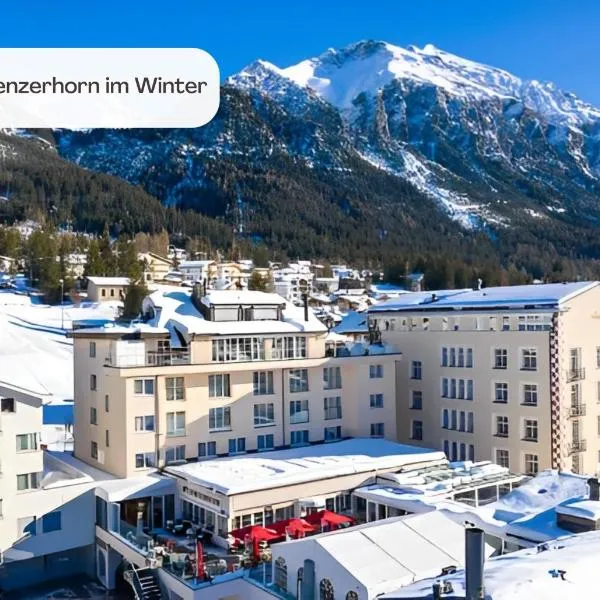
x,y
437,590
594,488
204,287
474,559
305,300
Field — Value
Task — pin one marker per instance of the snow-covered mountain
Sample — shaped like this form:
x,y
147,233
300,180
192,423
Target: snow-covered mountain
x,y
402,144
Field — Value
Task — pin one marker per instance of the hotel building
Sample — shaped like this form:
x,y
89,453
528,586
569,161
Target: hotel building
x,y
509,374
222,373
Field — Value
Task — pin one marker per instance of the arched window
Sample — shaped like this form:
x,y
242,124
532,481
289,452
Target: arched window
x,y
325,590
280,575
351,595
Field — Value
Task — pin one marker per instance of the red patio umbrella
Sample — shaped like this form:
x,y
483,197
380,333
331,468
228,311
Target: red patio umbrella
x,y
256,532
294,527
330,518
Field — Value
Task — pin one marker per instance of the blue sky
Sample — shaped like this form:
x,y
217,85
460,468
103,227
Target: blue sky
x,y
539,39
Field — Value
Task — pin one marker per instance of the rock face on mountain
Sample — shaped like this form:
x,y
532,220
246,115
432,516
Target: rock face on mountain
x,y
397,143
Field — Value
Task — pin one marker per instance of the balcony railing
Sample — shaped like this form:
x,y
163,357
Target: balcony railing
x,y
577,446
575,374
577,410
166,359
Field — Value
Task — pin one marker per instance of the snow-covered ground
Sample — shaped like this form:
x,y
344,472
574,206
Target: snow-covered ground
x,y
35,354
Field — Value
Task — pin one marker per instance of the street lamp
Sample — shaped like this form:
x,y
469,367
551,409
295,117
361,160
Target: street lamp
x,y
62,312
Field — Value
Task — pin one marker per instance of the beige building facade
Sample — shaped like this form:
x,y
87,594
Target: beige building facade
x,y
230,373
504,374
106,289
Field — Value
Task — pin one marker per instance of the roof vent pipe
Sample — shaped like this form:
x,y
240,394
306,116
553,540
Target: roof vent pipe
x,y
474,560
479,283
305,301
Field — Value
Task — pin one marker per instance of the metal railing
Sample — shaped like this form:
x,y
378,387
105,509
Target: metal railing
x,y
577,410
577,446
575,374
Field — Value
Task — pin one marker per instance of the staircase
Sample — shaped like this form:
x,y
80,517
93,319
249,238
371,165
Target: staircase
x,y
144,583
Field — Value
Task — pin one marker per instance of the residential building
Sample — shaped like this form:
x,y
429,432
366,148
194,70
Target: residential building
x,y
508,374
107,289
156,267
196,270
220,374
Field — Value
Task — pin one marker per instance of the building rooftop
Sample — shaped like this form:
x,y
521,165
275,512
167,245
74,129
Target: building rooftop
x,y
548,295
532,573
241,297
353,322
264,470
175,309
390,553
120,281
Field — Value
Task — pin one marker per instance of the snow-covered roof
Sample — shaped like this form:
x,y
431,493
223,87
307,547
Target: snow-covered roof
x,y
264,470
195,264
175,308
353,322
390,553
237,297
118,281
117,490
532,574
548,295
583,509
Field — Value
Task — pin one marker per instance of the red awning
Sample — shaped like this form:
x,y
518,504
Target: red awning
x,y
256,532
331,518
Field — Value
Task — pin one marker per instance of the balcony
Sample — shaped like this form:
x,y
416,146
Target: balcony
x,y
168,358
575,375
577,446
577,410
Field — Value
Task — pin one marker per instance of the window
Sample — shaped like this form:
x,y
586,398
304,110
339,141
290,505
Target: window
x,y
501,426
330,434
462,426
598,356
7,405
289,347
461,357
332,378
237,445
265,442
94,450
26,441
219,418
51,522
500,358
175,453
106,403
92,382
175,388
145,423
417,430
280,577
299,411
530,394
530,430
106,438
529,359
453,420
502,458
445,388
28,481
218,386
93,416
469,389
376,400
444,357
452,357
332,407
239,349
445,418
416,400
264,415
535,323
176,423
144,460
299,380
206,449
470,426
416,370
501,392
375,371
263,383
469,358
531,464
143,387
377,429
299,438
92,349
